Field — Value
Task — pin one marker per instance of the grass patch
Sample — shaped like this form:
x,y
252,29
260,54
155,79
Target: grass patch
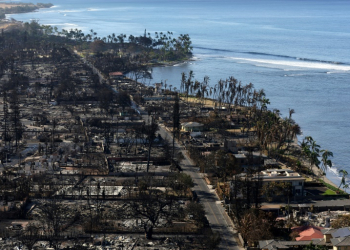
x,y
329,192
335,189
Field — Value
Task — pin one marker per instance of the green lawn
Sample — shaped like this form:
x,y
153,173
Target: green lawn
x,y
329,192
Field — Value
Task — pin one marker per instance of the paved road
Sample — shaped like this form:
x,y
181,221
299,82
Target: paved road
x,y
216,215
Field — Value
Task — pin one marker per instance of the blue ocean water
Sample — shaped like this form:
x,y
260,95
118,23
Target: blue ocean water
x,y
296,50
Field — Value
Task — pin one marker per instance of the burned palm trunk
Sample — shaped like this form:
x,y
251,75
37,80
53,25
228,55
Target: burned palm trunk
x,y
150,132
176,121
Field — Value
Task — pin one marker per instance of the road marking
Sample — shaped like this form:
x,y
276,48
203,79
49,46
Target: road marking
x,y
217,222
201,187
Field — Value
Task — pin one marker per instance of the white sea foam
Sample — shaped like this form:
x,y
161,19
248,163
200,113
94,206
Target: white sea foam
x,y
292,75
293,64
70,24
55,24
334,72
334,171
71,11
95,9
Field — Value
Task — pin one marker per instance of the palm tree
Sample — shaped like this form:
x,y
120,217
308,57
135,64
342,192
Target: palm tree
x,y
326,163
189,83
344,173
311,150
183,81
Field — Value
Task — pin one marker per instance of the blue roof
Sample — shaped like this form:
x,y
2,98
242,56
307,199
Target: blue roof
x,y
341,232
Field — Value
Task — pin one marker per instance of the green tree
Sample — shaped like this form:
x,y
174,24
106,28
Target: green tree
x,y
344,174
311,150
326,162
181,182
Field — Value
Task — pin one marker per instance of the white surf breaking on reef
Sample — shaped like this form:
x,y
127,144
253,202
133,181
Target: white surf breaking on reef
x,y
282,64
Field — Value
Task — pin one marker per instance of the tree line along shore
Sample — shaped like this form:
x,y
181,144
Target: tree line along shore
x,y
15,8
86,150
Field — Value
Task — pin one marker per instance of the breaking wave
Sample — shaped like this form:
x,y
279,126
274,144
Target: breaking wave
x,y
294,64
286,57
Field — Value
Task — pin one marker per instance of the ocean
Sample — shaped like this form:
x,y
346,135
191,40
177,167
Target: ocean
x,y
298,51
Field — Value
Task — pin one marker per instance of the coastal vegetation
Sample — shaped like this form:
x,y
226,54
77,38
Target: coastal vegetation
x,y
264,129
89,122
239,111
10,8
161,47
129,54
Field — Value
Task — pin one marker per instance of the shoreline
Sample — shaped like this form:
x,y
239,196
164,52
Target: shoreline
x,y
8,23
317,172
172,63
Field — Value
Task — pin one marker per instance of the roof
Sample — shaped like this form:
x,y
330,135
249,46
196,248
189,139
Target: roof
x,y
239,156
304,242
192,124
333,203
305,227
269,175
269,179
341,232
310,233
270,162
328,230
342,241
271,244
270,206
117,73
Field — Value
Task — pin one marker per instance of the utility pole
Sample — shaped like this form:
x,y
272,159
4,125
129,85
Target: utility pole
x,y
176,120
5,108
